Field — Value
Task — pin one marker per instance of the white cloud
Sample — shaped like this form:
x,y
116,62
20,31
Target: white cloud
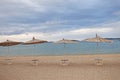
x,y
23,37
104,30
91,30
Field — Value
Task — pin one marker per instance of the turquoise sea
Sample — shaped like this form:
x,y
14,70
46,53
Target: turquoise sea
x,y
61,49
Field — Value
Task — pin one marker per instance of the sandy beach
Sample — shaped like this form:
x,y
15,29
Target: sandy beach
x,y
72,67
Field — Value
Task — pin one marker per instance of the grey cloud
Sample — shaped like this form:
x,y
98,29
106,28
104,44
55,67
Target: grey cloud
x,y
50,16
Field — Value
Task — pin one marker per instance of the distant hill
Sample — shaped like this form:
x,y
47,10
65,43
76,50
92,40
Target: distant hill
x,y
113,38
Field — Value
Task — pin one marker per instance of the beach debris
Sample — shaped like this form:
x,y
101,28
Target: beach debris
x,y
35,62
65,62
98,61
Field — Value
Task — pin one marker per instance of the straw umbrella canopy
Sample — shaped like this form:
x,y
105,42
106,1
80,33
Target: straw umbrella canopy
x,y
9,43
34,41
97,39
66,41
65,61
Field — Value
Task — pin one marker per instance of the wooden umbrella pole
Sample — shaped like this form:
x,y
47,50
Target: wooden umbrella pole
x,y
8,60
8,50
64,48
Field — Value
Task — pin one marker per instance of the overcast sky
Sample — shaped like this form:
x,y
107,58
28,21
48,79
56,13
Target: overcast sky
x,y
56,19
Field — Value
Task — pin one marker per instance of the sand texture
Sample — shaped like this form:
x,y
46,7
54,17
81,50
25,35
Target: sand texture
x,y
72,67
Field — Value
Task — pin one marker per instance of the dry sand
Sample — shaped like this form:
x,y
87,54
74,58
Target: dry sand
x,y
80,67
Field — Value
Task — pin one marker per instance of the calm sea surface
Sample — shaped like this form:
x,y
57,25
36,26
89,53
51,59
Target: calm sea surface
x,y
61,49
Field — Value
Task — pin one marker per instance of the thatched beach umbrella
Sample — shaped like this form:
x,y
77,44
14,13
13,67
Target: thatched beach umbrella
x,y
65,61
34,41
8,43
66,41
97,39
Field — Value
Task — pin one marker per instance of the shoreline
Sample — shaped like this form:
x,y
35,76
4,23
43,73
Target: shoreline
x,y
61,55
84,58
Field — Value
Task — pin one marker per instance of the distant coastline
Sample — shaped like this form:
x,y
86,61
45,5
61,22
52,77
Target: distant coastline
x,y
113,38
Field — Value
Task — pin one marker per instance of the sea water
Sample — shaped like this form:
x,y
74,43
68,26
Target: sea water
x,y
61,49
